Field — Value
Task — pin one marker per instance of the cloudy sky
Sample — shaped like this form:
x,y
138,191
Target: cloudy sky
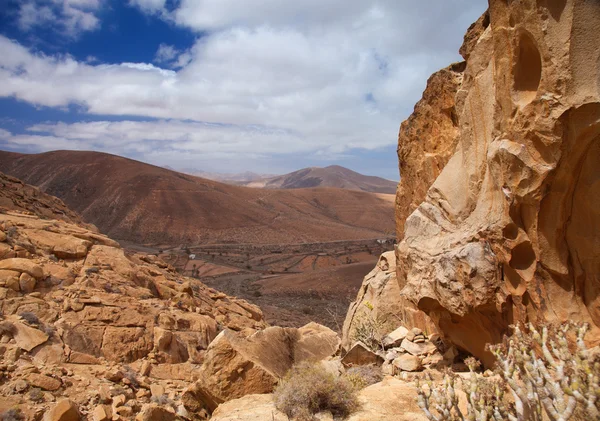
x,y
223,85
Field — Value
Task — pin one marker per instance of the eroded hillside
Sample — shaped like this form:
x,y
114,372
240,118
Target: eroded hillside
x,y
141,203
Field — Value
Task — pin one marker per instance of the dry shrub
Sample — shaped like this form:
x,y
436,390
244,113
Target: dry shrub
x,y
363,376
308,389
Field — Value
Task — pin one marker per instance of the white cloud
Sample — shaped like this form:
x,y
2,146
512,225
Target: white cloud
x,y
320,76
170,56
71,17
149,6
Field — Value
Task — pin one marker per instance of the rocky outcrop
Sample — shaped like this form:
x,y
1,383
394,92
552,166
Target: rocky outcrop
x,y
508,231
126,326
237,364
427,140
379,300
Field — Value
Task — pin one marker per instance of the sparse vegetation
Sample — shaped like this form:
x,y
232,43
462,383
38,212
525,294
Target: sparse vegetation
x,y
30,318
369,329
36,395
363,376
309,389
12,415
549,372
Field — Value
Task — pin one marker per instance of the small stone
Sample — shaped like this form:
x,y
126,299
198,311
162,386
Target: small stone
x,y
44,382
2,236
100,414
419,340
119,400
157,390
410,335
142,393
27,283
114,375
20,386
145,368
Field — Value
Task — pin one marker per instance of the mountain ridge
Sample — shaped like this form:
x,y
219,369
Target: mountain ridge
x,y
142,203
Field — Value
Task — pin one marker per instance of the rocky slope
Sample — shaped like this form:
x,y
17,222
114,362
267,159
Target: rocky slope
x,y
90,332
509,229
332,176
141,203
70,297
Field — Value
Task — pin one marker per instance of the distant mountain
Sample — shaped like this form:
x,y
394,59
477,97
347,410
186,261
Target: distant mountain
x,y
142,203
332,176
239,178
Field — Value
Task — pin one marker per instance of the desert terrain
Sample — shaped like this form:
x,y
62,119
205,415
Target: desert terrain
x,y
145,204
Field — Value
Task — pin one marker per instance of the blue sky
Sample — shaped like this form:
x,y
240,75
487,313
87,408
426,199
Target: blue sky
x,y
228,86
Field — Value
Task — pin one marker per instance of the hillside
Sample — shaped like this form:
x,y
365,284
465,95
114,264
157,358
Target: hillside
x,y
332,176
142,203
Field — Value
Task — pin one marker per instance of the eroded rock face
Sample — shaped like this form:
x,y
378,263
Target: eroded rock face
x,y
379,299
237,364
509,230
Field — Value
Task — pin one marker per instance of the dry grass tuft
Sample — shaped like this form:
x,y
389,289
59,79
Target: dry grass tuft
x,y
309,389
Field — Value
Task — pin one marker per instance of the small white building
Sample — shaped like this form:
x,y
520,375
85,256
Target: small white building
x,y
192,256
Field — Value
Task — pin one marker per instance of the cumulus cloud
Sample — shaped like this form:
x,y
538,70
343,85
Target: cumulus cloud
x,y
320,76
170,56
71,17
149,6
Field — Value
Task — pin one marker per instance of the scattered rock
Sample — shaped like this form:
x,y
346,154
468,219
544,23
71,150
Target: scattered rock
x,y
64,410
153,412
395,338
44,382
423,348
360,354
407,362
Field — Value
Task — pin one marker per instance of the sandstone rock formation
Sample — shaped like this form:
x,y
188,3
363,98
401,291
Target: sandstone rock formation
x,y
237,365
124,325
379,299
509,229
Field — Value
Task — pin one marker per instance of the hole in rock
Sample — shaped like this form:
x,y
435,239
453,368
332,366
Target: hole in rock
x,y
527,69
522,256
510,231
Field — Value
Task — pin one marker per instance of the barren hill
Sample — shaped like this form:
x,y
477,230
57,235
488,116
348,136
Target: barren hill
x,y
332,176
142,203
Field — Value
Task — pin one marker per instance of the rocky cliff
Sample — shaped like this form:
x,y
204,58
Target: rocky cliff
x,y
510,229
498,210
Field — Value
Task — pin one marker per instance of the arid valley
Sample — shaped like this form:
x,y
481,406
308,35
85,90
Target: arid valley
x,y
333,210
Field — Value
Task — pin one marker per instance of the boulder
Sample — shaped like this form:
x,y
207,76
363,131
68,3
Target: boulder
x,y
63,410
422,348
22,265
315,342
407,362
395,338
249,408
236,365
27,337
360,354
153,412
